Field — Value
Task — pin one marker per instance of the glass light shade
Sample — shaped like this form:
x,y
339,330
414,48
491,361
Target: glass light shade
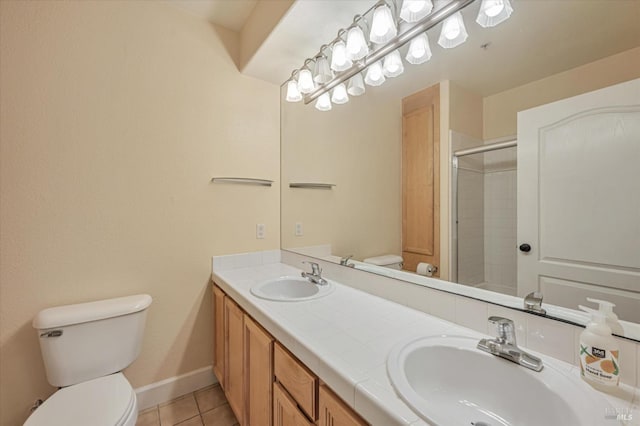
x,y
356,85
339,95
323,103
392,65
493,12
293,94
383,28
305,81
357,47
415,10
453,32
374,76
322,72
339,59
419,50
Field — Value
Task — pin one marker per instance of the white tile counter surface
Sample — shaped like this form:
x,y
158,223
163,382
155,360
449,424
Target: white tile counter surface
x,y
344,338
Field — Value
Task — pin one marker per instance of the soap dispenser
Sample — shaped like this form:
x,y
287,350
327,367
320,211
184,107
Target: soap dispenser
x,y
599,365
606,308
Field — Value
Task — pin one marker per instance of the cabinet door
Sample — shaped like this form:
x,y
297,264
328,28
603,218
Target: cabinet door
x,y
218,335
234,365
258,374
334,412
285,411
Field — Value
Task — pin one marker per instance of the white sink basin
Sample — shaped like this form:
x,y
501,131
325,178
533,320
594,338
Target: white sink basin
x,y
447,381
291,289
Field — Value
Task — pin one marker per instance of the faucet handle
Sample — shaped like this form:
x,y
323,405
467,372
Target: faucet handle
x,y
505,328
315,268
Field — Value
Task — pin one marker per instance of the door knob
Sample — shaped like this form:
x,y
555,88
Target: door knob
x,y
525,247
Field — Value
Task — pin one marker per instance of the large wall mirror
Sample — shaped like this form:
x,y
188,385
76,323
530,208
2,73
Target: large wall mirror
x,y
492,206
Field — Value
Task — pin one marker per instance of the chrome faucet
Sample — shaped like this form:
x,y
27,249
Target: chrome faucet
x,y
505,345
533,303
345,261
315,275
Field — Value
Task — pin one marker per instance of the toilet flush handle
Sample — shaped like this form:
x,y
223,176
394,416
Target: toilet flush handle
x,y
52,333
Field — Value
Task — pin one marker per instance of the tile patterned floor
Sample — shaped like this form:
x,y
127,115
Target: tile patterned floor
x,y
204,407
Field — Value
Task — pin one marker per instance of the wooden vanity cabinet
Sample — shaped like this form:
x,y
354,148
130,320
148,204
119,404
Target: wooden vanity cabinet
x,y
234,358
333,412
264,383
258,374
218,334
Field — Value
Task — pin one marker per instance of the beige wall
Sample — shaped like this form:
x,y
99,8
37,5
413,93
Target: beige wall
x,y
357,147
114,116
500,110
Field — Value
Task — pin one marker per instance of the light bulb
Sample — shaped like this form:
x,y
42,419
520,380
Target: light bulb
x,y
383,28
339,95
419,50
493,12
392,64
323,103
293,94
356,85
414,10
339,60
305,81
374,76
453,31
357,47
322,73
493,7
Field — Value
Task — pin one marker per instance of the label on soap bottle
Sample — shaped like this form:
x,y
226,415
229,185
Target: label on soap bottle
x,y
599,365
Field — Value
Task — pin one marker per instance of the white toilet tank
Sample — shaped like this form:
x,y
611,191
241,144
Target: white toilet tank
x,y
388,261
90,340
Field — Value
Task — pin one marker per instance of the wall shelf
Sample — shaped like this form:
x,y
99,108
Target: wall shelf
x,y
242,181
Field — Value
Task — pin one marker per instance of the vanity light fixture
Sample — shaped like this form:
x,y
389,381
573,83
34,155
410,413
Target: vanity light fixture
x,y
339,95
493,12
374,76
453,32
415,10
392,65
357,47
305,79
293,94
352,55
383,27
356,85
339,59
324,103
322,72
419,50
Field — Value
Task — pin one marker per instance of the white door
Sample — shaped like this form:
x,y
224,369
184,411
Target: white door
x,y
579,199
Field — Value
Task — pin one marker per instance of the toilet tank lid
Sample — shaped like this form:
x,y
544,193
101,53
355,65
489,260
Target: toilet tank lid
x,y
60,316
387,259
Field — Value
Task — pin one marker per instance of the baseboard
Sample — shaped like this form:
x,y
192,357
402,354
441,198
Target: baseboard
x,y
173,387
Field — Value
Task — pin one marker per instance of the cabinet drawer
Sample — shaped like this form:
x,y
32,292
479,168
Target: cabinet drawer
x,y
301,383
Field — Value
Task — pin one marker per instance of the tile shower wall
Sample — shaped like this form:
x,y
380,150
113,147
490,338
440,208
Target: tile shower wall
x,y
500,242
471,234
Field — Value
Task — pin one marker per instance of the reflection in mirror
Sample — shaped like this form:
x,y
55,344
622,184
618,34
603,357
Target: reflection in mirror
x,y
554,209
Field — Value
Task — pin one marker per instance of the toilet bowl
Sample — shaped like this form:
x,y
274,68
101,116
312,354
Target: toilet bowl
x,y
85,347
388,261
105,401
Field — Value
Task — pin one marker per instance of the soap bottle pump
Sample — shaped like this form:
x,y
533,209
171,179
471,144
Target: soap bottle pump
x,y
599,365
606,308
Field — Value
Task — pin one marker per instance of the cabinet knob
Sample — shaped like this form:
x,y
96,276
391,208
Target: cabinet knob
x,y
525,248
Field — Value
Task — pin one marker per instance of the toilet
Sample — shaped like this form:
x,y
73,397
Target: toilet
x,y
388,261
85,347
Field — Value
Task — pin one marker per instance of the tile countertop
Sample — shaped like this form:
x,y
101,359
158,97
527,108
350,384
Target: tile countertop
x,y
344,338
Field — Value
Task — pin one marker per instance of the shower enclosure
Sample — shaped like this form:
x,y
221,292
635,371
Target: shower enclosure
x,y
484,246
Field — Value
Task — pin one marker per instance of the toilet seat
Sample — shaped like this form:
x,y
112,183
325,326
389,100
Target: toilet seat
x,y
105,401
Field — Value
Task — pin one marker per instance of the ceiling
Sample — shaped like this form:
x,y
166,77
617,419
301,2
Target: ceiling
x,y
231,14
